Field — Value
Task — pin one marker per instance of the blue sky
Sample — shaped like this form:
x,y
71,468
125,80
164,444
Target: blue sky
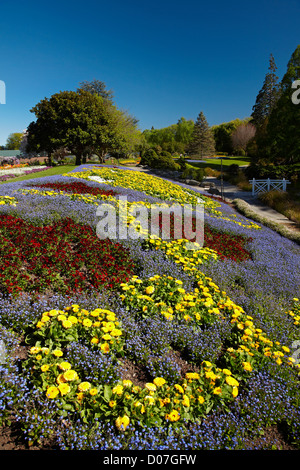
x,y
163,59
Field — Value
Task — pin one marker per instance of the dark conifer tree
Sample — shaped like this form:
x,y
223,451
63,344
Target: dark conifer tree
x,y
202,142
267,96
284,121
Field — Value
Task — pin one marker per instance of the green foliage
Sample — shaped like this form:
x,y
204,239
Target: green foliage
x,y
193,173
267,97
202,142
96,87
162,161
277,140
223,132
174,138
284,122
14,140
81,122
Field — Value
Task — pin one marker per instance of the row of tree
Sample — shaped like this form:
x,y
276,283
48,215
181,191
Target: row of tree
x,y
270,136
199,139
276,116
87,121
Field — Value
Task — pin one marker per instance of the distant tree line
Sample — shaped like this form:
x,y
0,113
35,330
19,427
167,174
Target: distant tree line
x,y
87,122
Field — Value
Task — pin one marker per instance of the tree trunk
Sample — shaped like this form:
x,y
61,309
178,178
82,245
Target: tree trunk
x,y
101,156
78,159
49,159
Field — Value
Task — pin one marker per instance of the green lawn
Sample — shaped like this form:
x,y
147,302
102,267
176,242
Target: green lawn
x,y
215,163
56,170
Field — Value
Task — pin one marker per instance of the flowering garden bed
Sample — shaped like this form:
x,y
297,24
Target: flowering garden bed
x,y
143,344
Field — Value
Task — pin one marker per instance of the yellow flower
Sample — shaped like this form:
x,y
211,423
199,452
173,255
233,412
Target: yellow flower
x,y
106,337
53,313
235,392
104,348
247,366
87,322
248,332
149,290
118,389
52,392
93,391
185,401
45,319
57,353
139,404
45,367
200,399
73,319
122,422
127,383
70,375
173,416
94,340
61,317
192,375
159,381
84,386
217,391
60,379
34,350
116,332
150,386
64,365
150,399
112,403
64,388
232,381
179,388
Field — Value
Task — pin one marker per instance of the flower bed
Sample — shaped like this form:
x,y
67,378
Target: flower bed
x,y
117,356
12,171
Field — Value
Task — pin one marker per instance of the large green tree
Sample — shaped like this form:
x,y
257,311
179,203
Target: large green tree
x,y
202,141
284,121
14,141
82,122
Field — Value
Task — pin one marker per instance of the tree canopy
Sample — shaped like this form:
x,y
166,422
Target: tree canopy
x,y
174,138
82,122
14,140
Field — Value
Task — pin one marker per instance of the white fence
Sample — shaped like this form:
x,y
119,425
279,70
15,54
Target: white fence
x,y
262,186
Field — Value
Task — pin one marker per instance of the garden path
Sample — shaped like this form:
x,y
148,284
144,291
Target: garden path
x,y
232,192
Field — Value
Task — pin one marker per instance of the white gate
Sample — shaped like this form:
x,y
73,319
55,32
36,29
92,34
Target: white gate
x,y
262,186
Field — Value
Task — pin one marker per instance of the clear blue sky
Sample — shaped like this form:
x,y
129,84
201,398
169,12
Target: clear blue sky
x,y
163,59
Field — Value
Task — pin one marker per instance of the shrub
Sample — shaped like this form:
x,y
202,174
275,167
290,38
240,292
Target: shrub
x,y
162,161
